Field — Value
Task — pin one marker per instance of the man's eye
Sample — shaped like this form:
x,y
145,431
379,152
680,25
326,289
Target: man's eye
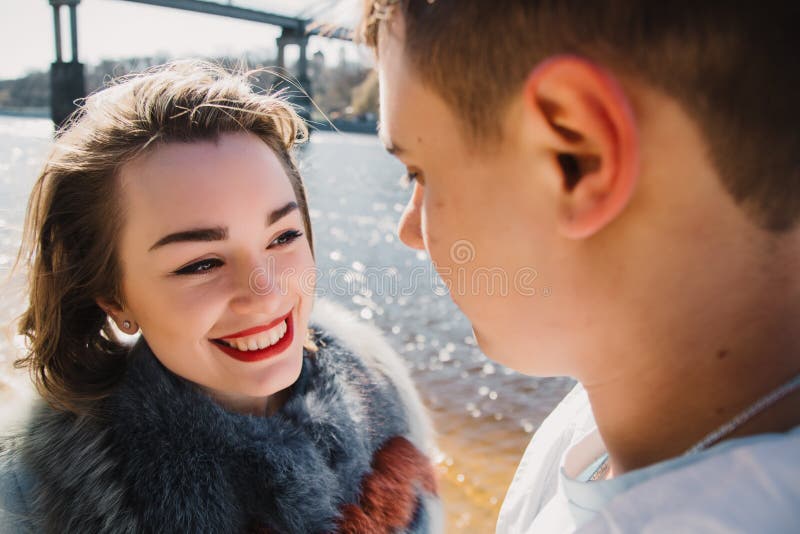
x,y
200,267
409,178
286,238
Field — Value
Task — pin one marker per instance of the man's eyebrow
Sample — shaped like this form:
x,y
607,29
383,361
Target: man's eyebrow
x,y
388,144
218,233
280,213
394,150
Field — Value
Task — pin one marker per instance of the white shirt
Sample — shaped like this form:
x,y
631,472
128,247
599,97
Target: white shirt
x,y
749,484
536,483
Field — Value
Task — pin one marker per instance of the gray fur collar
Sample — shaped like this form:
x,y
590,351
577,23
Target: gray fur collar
x,y
165,458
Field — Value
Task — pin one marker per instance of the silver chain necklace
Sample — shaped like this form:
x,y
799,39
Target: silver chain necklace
x,y
742,417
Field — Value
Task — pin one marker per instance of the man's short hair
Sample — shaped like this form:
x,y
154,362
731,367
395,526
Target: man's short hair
x,y
731,65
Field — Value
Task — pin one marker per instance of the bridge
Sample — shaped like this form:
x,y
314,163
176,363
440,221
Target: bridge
x,y
305,18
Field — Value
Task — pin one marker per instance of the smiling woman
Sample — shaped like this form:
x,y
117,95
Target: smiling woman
x,y
188,249
172,208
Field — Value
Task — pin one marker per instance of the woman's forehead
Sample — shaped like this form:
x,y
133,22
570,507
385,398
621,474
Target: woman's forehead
x,y
181,185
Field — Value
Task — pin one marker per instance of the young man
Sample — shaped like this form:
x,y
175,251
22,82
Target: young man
x,y
643,158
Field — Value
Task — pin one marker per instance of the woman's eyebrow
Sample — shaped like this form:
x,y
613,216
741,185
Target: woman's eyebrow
x,y
218,233
280,213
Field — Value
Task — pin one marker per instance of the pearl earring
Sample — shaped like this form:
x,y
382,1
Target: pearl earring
x,y
126,325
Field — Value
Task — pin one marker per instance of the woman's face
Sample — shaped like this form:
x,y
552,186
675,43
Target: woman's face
x,y
216,269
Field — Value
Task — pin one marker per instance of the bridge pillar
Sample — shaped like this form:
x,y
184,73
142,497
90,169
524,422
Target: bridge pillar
x,y
66,78
290,36
302,65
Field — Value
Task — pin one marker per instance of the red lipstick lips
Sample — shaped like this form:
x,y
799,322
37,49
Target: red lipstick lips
x,y
256,329
261,354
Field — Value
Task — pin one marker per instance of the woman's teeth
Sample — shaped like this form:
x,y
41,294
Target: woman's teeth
x,y
258,341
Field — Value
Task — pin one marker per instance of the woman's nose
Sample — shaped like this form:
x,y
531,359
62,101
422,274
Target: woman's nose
x,y
410,227
258,289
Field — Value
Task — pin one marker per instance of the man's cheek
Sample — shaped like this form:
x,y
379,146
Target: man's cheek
x,y
435,225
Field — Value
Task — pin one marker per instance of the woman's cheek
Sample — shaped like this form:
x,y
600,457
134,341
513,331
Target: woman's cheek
x,y
202,293
298,271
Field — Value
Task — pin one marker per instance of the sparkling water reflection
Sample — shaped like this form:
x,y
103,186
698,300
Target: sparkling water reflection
x,y
484,413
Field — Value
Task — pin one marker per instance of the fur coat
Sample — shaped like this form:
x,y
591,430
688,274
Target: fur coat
x,y
344,453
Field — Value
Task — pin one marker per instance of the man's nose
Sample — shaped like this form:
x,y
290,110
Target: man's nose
x,y
410,227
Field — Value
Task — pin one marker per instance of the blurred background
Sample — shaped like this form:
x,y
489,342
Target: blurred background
x,y
485,414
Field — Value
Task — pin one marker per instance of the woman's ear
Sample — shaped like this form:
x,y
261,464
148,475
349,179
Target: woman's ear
x,y
120,317
592,139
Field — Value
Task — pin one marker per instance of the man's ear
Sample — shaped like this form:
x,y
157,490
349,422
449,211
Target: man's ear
x,y
592,138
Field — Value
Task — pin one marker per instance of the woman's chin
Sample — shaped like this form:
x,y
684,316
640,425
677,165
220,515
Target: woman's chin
x,y
272,378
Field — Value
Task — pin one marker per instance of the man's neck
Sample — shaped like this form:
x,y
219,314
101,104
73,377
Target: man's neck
x,y
652,414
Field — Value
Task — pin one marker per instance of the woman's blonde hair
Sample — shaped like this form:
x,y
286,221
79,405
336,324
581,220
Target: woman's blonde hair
x,y
74,215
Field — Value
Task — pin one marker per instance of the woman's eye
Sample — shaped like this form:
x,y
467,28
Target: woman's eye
x,y
200,267
205,266
286,238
